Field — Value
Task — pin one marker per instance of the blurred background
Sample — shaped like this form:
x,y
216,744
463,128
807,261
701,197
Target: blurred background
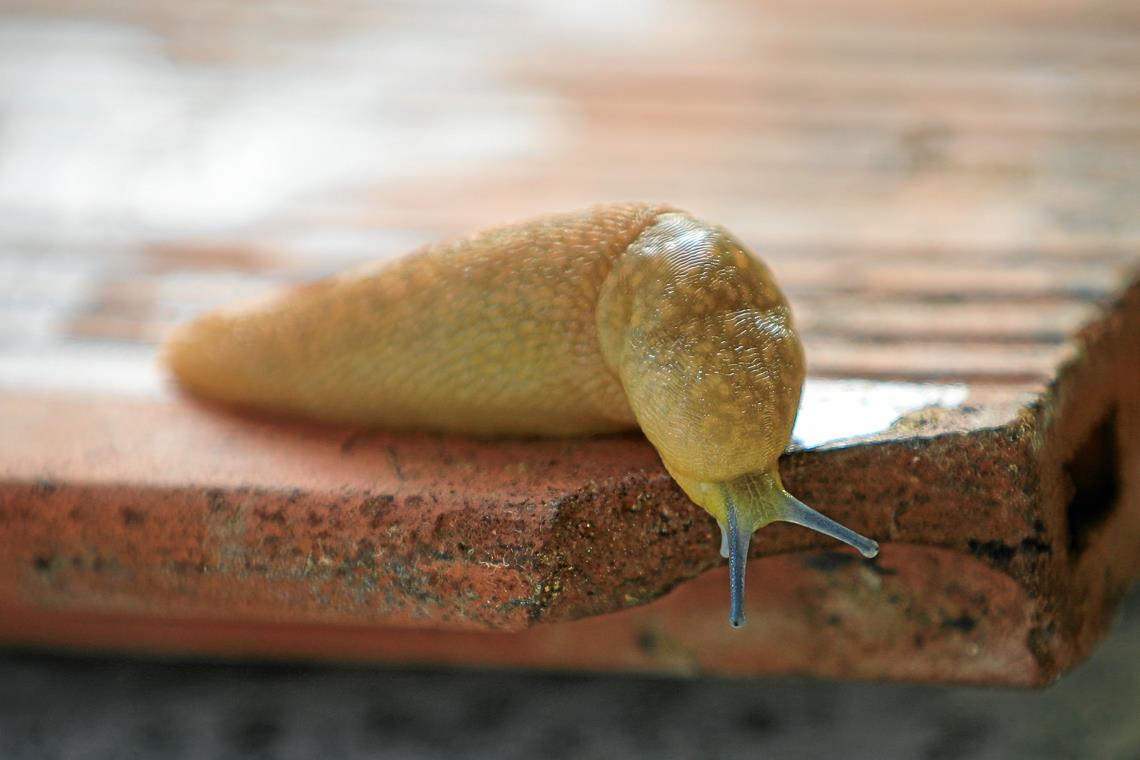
x,y
63,707
53,707
160,158
916,172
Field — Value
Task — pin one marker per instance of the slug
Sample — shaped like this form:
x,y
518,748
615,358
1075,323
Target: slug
x,y
607,319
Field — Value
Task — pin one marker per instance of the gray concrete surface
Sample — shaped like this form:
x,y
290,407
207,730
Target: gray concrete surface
x,y
54,706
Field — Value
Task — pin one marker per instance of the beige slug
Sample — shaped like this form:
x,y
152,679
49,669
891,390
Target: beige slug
x,y
612,318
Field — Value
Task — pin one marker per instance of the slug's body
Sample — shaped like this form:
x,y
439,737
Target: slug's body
x,y
613,318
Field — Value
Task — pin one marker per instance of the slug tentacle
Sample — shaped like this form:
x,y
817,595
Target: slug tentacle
x,y
749,503
736,542
801,514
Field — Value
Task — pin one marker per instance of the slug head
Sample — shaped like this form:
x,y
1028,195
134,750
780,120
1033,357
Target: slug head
x,y
702,340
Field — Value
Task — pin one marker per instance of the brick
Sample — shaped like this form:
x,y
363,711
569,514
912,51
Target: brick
x,y
1009,534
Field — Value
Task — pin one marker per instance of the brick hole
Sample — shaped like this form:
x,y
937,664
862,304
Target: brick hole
x,y
1094,470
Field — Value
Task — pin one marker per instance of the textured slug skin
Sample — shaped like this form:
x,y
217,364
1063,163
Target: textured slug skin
x,y
702,340
494,334
612,318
